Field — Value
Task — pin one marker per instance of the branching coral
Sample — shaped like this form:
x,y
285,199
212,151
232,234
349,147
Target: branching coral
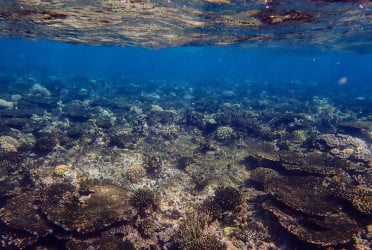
x,y
192,235
145,200
228,197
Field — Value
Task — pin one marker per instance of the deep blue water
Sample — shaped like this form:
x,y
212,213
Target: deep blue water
x,y
201,65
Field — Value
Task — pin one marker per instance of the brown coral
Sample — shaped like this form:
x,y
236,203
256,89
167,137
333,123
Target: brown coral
x,y
264,151
20,213
103,206
359,197
262,175
38,212
306,207
305,194
135,173
329,230
193,236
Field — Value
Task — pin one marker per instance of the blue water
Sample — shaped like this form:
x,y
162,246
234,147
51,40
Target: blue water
x,y
76,105
201,65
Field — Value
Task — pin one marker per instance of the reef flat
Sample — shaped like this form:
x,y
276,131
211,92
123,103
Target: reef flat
x,y
338,25
116,164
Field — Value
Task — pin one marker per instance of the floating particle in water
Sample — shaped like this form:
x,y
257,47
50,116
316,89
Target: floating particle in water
x,y
342,80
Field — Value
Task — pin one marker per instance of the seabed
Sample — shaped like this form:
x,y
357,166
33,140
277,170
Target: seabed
x,y
114,164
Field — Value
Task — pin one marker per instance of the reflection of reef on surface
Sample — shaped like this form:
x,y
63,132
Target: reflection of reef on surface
x,y
174,23
96,167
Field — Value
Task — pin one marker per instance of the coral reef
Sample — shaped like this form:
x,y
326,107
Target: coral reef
x,y
63,209
311,199
77,111
192,234
6,104
358,196
145,200
153,162
228,197
84,213
105,243
135,173
195,119
45,143
305,194
329,230
299,136
344,146
8,144
146,227
38,90
20,213
263,175
211,208
224,133
119,165
61,169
